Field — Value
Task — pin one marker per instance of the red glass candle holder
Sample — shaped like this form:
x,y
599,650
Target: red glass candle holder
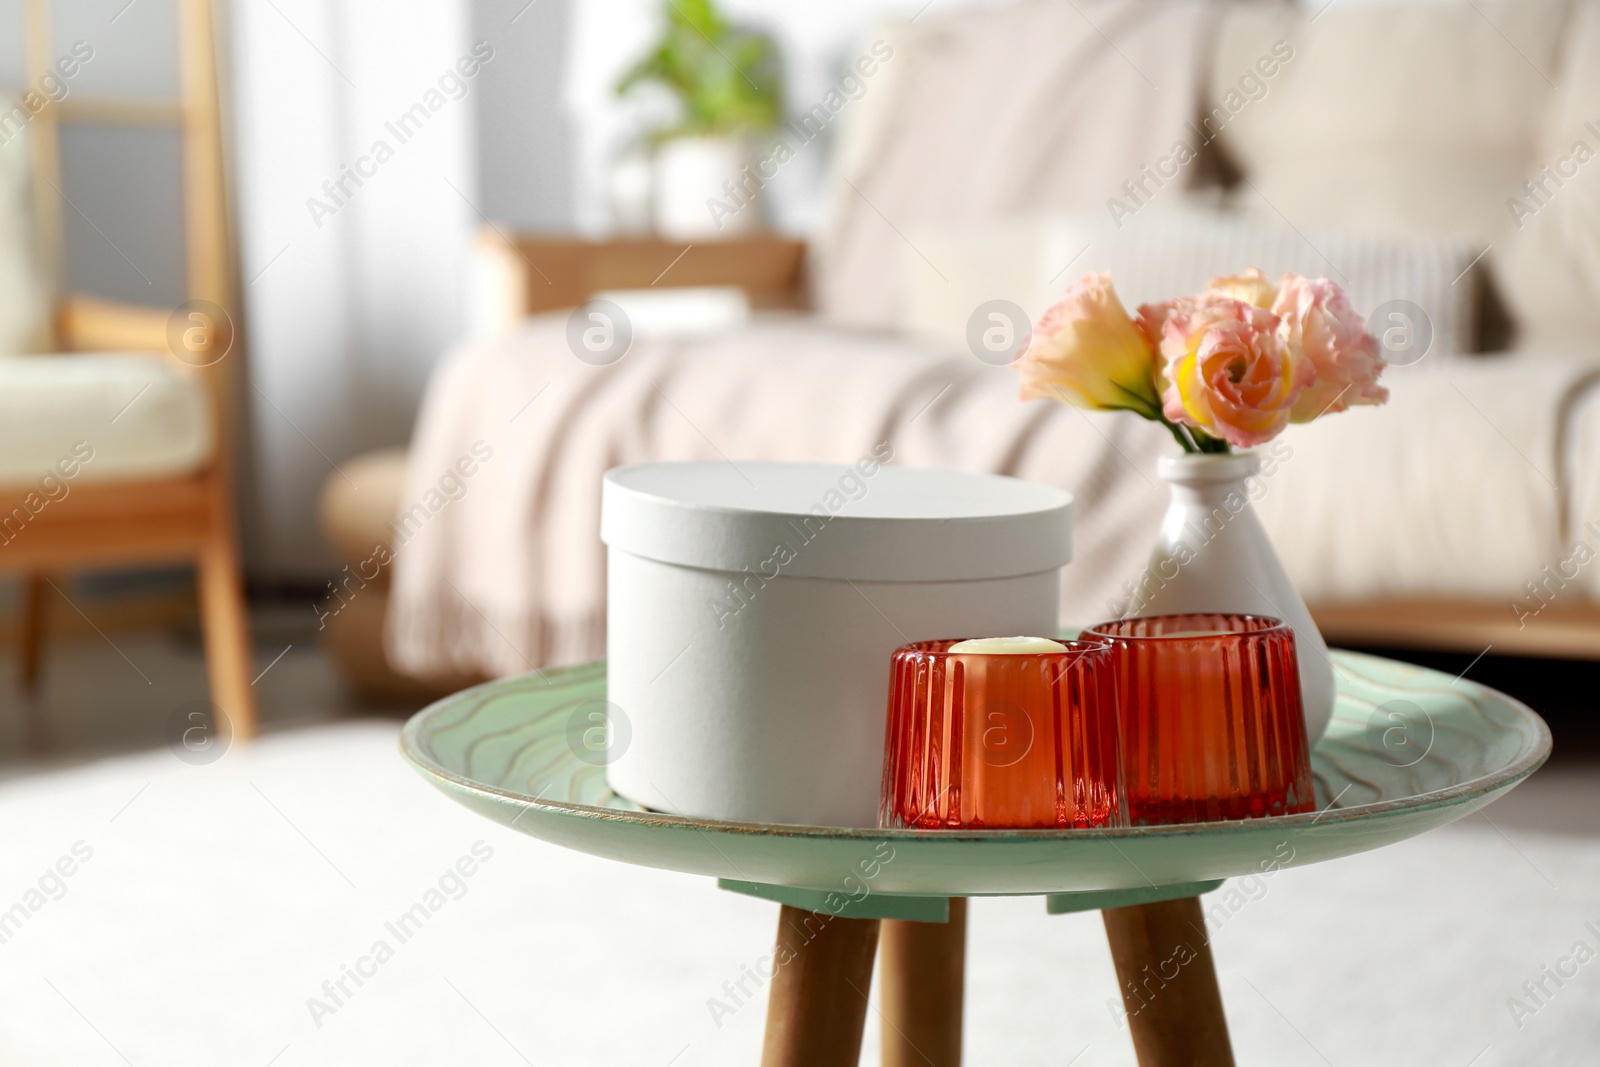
x,y
1212,724
990,741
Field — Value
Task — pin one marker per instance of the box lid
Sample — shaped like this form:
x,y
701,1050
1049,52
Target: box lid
x,y
820,520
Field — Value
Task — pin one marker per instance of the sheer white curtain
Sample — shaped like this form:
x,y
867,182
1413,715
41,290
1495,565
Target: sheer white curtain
x,y
355,195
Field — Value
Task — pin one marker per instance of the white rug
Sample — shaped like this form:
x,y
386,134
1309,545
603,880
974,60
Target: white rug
x,y
216,901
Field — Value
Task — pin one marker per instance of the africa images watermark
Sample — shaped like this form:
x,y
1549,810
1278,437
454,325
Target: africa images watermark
x,y
1539,191
54,487
451,885
598,731
807,127
856,887
851,486
199,732
1252,86
51,886
452,85
53,88
1542,591
451,486
1536,991
1140,991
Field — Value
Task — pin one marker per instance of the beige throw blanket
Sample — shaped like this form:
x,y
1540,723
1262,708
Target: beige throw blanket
x,y
1467,484
507,570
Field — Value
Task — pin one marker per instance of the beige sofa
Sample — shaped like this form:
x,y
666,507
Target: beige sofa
x,y
1391,129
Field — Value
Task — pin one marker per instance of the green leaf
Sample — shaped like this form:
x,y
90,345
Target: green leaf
x,y
728,80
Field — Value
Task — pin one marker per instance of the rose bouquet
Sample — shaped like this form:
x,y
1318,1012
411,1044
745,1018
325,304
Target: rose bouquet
x,y
1228,367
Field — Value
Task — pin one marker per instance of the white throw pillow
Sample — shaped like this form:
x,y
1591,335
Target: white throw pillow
x,y
1030,261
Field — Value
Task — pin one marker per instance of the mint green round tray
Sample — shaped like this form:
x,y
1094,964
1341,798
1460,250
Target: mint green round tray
x,y
1409,750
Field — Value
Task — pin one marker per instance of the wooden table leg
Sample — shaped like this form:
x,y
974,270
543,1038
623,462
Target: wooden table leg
x,y
922,978
30,643
1169,984
817,1007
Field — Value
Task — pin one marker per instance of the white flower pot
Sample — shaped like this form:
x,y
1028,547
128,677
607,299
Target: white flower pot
x,y
630,187
1213,555
693,178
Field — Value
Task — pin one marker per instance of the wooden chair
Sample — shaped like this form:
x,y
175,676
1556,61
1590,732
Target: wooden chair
x,y
184,515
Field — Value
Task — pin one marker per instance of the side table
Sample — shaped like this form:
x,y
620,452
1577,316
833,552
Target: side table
x,y
1409,750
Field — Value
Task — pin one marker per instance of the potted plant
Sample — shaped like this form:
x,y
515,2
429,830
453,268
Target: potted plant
x,y
728,82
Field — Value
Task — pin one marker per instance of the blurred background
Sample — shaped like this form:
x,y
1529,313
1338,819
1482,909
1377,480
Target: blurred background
x,y
342,316
267,268
207,149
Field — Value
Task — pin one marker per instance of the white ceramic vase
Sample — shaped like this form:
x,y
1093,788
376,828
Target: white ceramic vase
x,y
1213,555
693,179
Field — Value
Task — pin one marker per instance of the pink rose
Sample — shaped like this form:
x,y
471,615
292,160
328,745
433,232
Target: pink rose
x,y
1087,352
1153,317
1319,324
1252,287
1228,371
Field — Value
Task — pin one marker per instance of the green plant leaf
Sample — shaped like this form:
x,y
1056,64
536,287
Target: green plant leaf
x,y
728,80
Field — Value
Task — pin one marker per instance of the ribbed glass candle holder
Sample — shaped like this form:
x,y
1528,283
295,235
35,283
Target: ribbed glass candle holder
x,y
990,741
1212,723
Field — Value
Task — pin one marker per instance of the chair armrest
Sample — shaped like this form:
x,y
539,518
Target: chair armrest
x,y
84,324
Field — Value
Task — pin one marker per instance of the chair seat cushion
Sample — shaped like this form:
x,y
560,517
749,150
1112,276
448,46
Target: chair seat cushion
x,y
119,416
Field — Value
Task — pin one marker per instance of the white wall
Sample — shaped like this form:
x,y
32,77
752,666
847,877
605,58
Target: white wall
x,y
123,180
525,133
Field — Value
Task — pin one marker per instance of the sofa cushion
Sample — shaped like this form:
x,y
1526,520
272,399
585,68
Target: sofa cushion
x,y
139,417
984,112
1403,116
1552,255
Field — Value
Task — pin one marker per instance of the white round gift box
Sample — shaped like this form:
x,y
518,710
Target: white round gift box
x,y
752,611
